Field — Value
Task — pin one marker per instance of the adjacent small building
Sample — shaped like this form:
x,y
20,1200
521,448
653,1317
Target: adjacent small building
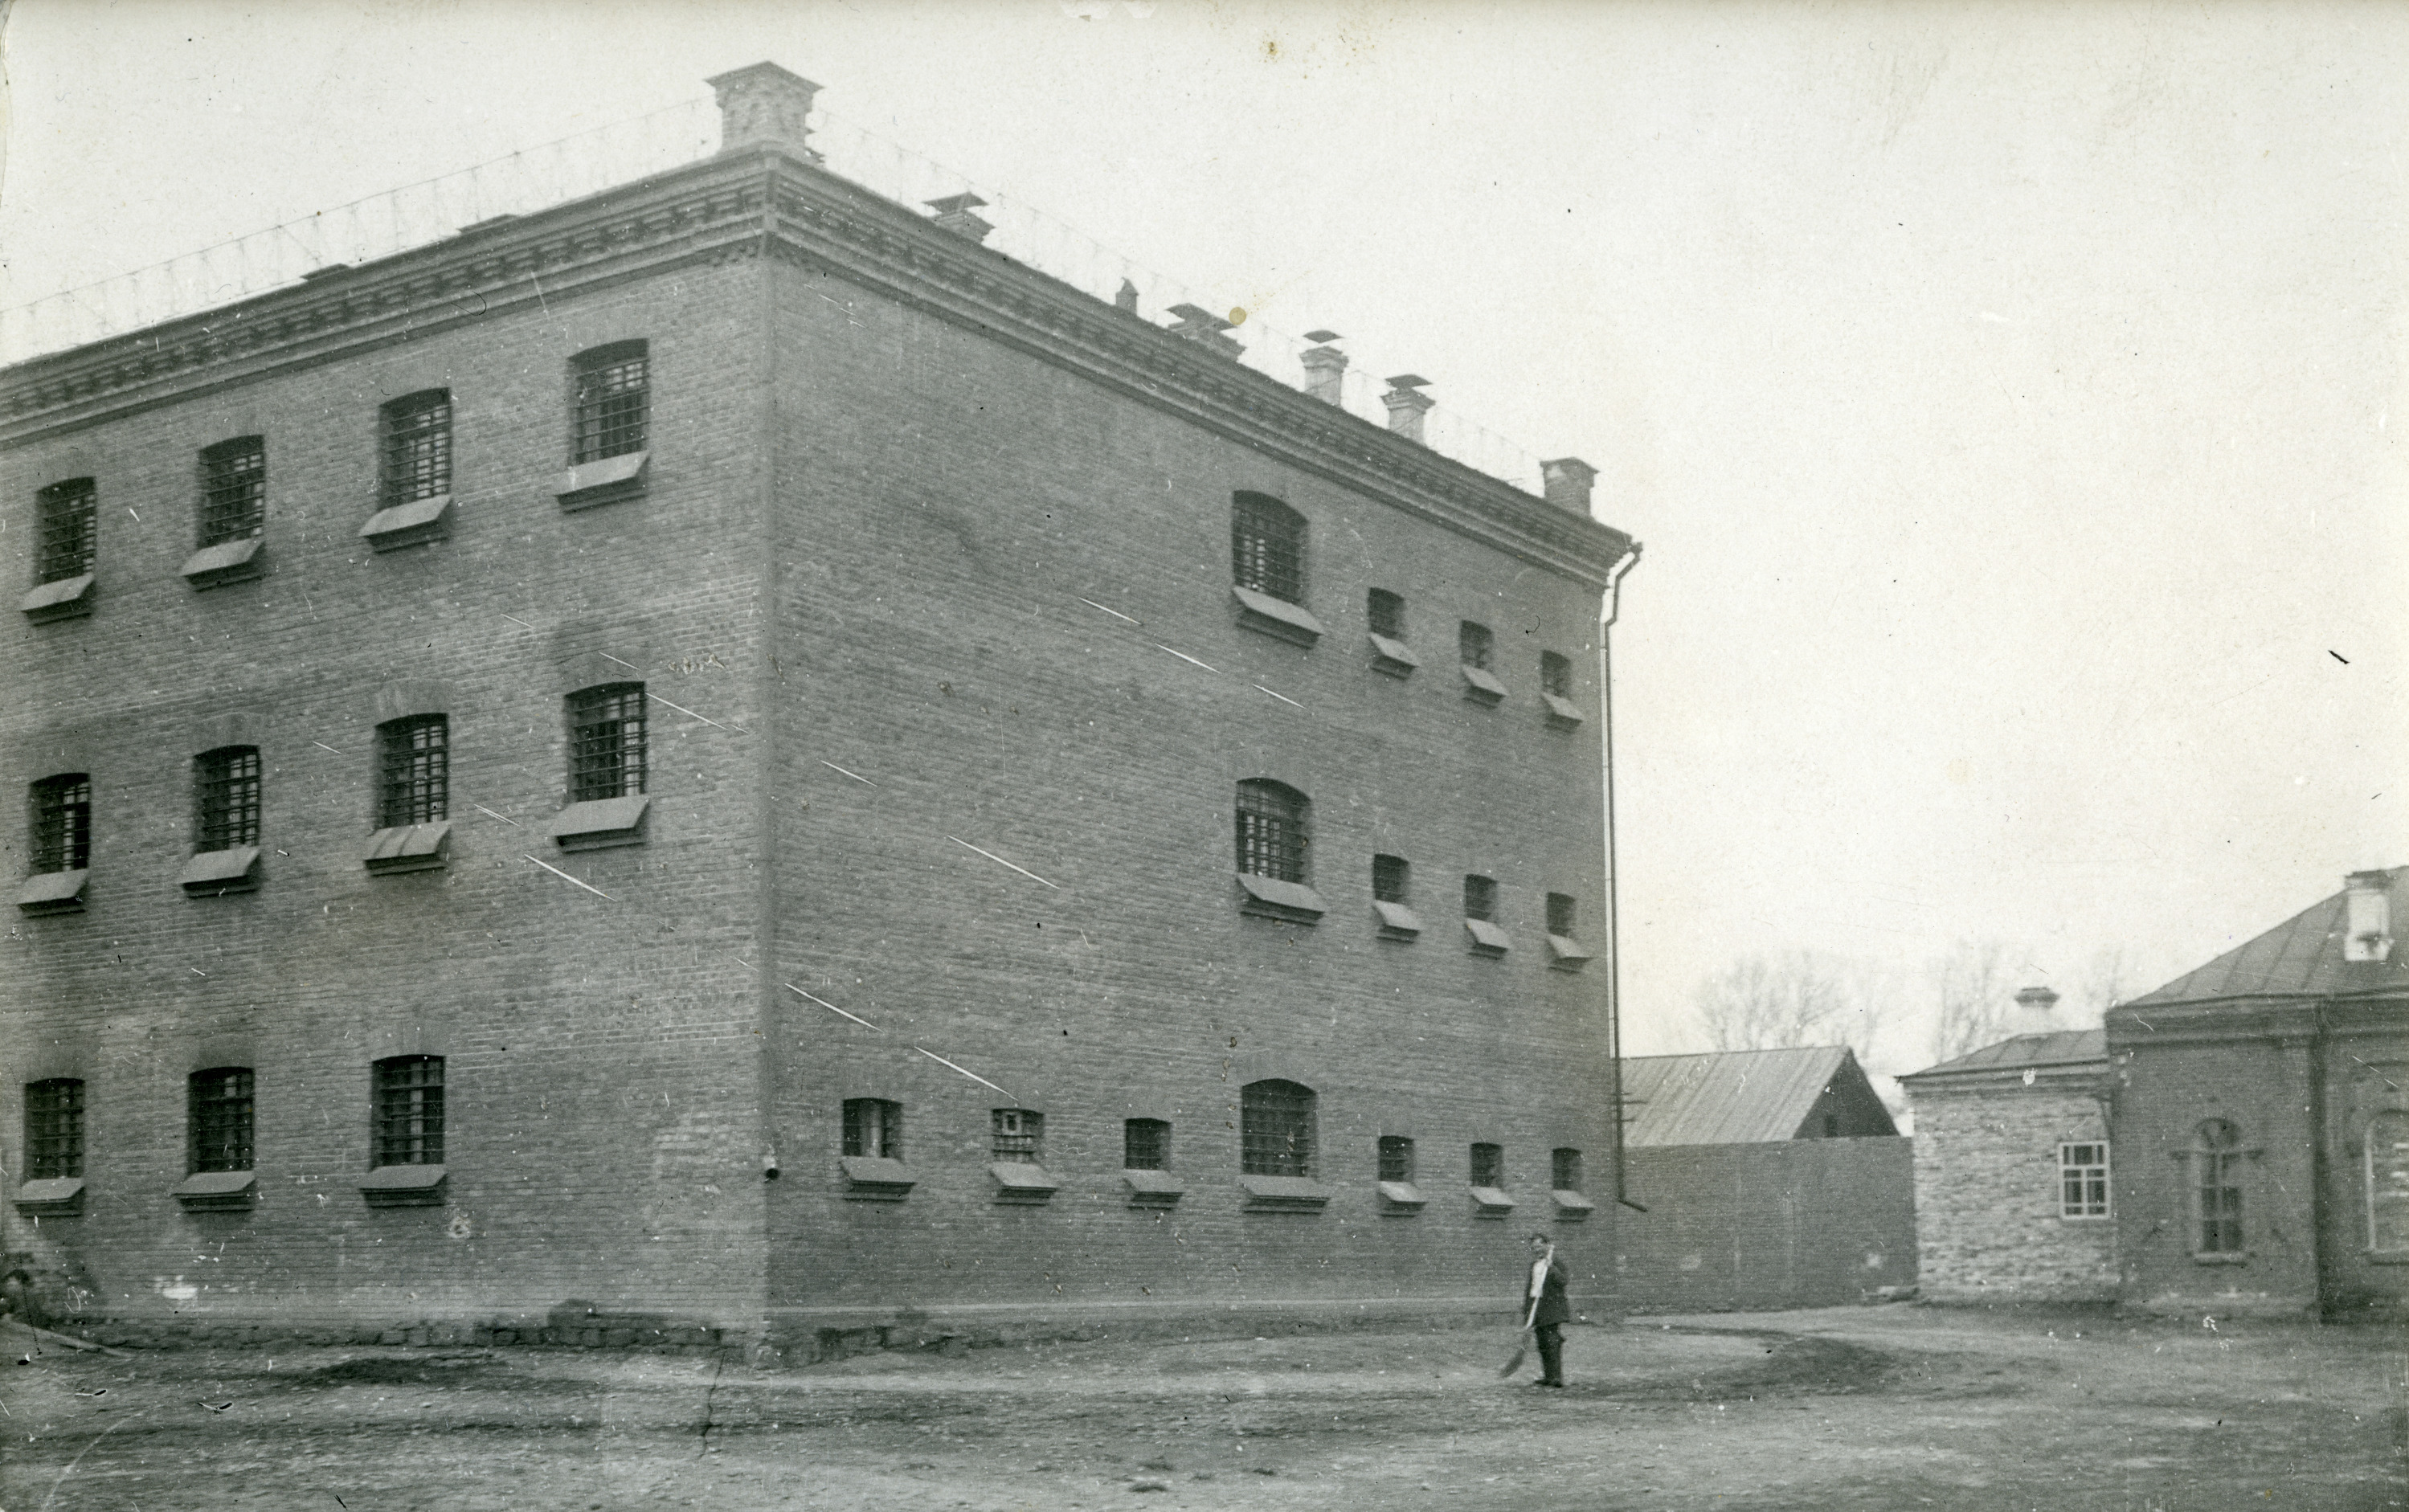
x,y
1770,1178
2236,1141
2012,1172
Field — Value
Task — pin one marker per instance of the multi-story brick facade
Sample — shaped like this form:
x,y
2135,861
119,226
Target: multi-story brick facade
x,y
747,847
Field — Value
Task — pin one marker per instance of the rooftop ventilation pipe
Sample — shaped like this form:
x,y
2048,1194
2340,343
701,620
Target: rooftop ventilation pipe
x,y
1325,368
2367,917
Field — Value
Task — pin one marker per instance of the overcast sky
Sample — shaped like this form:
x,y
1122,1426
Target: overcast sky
x,y
2002,393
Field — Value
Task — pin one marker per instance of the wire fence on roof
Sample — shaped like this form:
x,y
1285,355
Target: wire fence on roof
x,y
626,151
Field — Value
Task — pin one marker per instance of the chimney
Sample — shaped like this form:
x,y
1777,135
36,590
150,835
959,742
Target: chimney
x,y
1407,405
1568,479
955,213
1325,368
1204,328
2367,917
764,106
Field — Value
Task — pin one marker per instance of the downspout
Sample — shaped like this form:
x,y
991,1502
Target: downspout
x,y
1609,609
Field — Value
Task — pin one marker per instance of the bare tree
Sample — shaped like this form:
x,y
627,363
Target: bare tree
x,y
1971,989
1800,997
2109,980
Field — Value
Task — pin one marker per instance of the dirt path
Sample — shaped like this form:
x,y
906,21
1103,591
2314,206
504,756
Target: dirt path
x,y
1896,1407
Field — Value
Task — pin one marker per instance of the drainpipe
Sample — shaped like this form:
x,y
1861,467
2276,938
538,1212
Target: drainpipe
x,y
1609,608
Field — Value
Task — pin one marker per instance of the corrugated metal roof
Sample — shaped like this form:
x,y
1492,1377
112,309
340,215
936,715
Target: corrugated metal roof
x,y
2066,1047
1734,1097
2302,957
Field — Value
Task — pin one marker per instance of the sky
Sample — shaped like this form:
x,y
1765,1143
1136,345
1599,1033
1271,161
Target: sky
x,y
2002,394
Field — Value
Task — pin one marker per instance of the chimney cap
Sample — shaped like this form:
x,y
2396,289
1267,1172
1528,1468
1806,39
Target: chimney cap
x,y
761,73
1407,380
1322,336
2369,882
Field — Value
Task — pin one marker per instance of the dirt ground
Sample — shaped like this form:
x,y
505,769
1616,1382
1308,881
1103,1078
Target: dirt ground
x,y
1873,1408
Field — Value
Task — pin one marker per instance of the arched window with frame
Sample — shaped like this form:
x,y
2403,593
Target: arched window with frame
x,y
1276,1129
1272,830
1267,542
2216,1189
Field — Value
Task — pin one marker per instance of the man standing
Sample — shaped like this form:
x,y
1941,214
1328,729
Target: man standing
x,y
1544,1304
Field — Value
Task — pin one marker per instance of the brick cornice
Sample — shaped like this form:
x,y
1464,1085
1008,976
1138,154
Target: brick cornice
x,y
736,205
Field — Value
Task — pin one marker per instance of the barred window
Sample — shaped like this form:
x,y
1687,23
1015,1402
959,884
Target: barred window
x,y
68,525
2216,1187
1555,675
1396,1158
1271,835
613,386
2387,1183
1276,1129
225,799
1391,879
234,490
873,1126
413,770
417,447
1387,612
1145,1144
53,1128
1489,1165
220,1117
1565,1169
62,822
1475,644
2082,1181
1480,897
1560,912
606,742
1267,547
1019,1136
409,1111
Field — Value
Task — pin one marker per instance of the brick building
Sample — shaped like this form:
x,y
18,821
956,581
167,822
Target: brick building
x,y
2011,1171
2264,1130
723,756
2237,1140
1769,1178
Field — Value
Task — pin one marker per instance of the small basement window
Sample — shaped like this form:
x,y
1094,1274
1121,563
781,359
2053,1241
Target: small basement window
x,y
874,1128
873,1161
1145,1144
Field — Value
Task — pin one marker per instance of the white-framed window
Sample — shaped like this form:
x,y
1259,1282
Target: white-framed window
x,y
2083,1180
